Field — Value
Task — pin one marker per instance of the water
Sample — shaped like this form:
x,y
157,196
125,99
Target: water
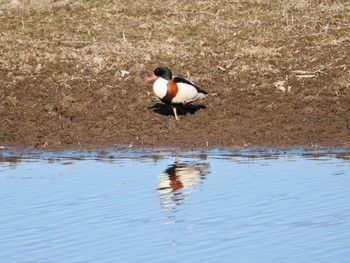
x,y
154,207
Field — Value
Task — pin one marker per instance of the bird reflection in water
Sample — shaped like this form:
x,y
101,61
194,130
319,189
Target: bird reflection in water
x,y
179,180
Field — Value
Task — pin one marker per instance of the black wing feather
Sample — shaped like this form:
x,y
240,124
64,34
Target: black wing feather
x,y
182,80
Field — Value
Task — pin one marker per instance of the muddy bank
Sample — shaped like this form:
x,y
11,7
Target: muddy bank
x,y
272,81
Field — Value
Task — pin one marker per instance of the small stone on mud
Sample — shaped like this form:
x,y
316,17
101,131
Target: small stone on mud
x,y
124,72
280,86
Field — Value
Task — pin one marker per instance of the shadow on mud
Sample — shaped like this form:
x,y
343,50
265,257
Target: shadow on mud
x,y
167,110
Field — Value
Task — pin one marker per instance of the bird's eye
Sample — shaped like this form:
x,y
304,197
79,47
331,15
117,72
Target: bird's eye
x,y
158,72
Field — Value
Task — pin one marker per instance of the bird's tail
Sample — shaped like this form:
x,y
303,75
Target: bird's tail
x,y
201,96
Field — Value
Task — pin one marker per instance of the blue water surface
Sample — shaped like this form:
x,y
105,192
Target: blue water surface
x,y
159,207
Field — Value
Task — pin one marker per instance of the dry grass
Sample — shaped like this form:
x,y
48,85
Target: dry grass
x,y
75,40
93,37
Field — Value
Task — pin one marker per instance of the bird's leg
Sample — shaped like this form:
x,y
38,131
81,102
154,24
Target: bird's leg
x,y
175,113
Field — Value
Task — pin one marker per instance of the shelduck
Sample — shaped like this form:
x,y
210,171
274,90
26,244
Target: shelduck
x,y
175,90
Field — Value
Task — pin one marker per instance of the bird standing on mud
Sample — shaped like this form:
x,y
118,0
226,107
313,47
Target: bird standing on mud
x,y
174,91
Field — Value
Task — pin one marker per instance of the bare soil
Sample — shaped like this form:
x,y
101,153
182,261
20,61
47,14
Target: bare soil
x,y
277,73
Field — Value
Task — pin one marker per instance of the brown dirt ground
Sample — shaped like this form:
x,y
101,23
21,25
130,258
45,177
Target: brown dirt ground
x,y
278,73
